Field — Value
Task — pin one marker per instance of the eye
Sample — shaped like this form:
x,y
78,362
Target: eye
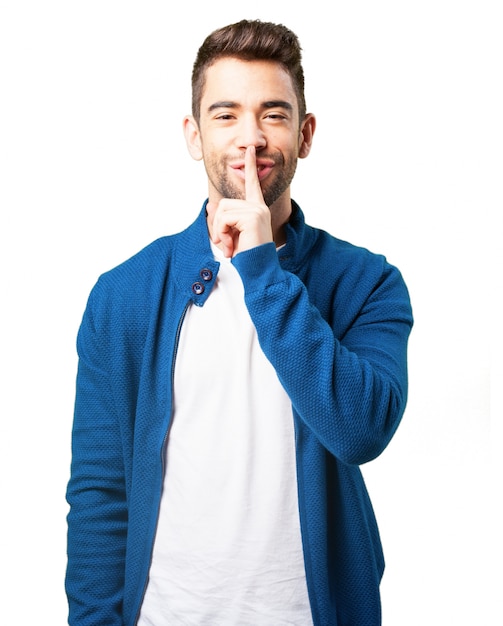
x,y
276,116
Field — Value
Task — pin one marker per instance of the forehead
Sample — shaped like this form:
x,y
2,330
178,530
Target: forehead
x,y
240,81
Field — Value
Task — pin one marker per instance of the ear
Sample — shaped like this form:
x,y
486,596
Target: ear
x,y
307,129
192,137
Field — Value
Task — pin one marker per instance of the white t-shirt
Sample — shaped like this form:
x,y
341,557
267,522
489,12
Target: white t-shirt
x,y
228,545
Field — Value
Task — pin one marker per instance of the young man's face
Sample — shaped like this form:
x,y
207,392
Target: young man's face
x,y
249,103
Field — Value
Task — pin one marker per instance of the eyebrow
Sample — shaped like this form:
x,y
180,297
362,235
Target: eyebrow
x,y
269,104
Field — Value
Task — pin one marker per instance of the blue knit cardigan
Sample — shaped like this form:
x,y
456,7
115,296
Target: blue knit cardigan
x,y
332,318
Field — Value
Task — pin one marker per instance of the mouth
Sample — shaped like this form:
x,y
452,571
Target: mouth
x,y
264,167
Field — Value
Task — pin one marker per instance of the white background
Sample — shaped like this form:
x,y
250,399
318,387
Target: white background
x,y
406,161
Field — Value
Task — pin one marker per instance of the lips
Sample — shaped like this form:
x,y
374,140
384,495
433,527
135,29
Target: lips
x,y
264,166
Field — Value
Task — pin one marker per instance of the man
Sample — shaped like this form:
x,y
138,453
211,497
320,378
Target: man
x,y
231,380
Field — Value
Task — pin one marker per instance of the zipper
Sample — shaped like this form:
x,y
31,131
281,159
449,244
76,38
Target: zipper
x,y
163,446
311,592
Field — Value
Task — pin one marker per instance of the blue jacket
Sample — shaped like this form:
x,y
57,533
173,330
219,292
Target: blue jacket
x,y
333,320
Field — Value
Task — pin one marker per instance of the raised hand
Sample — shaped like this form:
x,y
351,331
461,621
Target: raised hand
x,y
239,225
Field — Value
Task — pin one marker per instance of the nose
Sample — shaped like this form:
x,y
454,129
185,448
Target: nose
x,y
250,133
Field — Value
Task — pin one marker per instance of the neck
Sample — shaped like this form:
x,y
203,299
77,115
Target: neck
x,y
281,211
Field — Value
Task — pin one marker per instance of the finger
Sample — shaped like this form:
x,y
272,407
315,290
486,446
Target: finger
x,y
221,233
253,190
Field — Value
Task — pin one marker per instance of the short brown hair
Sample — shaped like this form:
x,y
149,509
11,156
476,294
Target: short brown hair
x,y
250,40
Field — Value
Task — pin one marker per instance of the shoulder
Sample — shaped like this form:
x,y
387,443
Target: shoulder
x,y
124,294
151,260
148,269
319,248
348,277
345,258
335,268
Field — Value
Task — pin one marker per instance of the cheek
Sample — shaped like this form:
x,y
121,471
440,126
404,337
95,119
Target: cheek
x,y
212,151
288,145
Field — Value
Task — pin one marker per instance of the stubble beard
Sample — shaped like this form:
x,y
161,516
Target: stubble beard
x,y
283,174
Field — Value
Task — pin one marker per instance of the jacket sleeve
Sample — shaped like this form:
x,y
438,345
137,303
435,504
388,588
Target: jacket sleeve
x,y
96,491
349,390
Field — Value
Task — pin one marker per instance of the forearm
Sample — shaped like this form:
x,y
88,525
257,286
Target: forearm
x,y
350,391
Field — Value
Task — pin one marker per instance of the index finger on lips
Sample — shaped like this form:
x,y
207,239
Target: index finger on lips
x,y
253,191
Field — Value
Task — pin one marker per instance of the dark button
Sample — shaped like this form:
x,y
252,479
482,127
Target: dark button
x,y
206,274
198,288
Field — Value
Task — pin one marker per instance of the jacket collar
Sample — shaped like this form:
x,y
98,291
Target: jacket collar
x,y
300,239
196,269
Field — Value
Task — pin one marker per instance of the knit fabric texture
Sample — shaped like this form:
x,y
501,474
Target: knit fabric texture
x,y
334,321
